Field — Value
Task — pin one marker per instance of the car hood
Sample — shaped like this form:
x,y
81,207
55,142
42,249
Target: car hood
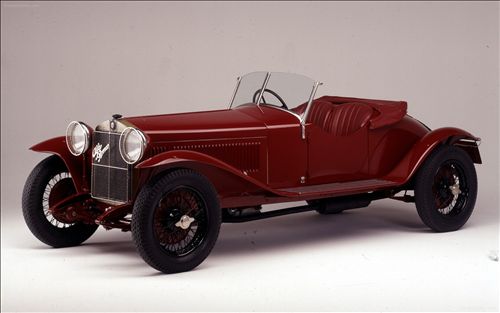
x,y
208,121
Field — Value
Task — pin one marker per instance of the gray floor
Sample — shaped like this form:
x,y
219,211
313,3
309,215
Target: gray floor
x,y
379,258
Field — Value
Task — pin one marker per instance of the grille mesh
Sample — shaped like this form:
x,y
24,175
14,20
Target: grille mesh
x,y
110,174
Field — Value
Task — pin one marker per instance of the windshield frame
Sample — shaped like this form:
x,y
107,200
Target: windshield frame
x,y
302,119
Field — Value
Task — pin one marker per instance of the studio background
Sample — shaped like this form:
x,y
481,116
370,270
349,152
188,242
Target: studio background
x,y
63,61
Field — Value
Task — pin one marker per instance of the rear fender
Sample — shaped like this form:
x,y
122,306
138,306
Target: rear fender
x,y
76,164
227,180
407,167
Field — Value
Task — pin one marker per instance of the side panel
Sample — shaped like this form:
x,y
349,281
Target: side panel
x,y
247,154
287,155
389,145
286,150
334,158
78,166
229,182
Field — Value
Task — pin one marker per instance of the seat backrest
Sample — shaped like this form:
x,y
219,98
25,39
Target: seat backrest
x,y
340,120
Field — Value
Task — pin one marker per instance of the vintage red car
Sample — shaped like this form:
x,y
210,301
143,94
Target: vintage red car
x,y
173,179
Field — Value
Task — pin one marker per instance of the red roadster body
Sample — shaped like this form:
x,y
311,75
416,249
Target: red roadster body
x,y
336,153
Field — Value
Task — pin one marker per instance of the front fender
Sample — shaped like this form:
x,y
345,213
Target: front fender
x,y
76,164
407,167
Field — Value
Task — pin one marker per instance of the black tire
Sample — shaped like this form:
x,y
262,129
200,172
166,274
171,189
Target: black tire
x,y
36,198
156,221
446,189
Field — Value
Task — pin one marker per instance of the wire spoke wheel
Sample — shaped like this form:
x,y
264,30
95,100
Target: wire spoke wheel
x,y
450,189
176,220
48,184
180,223
446,189
59,187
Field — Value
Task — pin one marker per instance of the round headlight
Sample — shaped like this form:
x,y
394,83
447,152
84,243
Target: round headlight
x,y
77,138
132,145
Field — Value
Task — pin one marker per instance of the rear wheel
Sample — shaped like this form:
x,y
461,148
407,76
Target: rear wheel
x,y
49,183
446,189
176,221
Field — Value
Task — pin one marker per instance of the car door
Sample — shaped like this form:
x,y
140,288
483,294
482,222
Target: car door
x,y
337,142
287,151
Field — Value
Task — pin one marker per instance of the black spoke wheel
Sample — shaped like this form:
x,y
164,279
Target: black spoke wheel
x,y
49,183
446,189
176,221
450,189
182,202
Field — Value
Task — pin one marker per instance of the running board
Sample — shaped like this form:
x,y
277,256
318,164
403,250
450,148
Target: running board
x,y
340,189
314,192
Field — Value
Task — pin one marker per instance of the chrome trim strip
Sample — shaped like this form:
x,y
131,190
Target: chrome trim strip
x,y
107,132
266,80
109,166
209,140
235,91
311,97
281,126
308,108
476,141
109,201
284,110
206,130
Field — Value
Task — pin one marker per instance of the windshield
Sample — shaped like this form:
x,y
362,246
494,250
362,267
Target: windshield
x,y
288,91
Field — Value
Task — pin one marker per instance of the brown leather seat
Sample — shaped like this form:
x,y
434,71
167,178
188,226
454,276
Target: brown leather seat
x,y
385,113
340,120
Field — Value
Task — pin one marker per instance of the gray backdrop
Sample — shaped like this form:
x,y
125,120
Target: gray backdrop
x,y
85,61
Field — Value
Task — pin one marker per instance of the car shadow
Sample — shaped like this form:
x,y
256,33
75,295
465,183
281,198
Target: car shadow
x,y
295,231
379,221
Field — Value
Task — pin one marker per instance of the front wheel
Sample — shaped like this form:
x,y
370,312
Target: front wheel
x,y
49,183
176,221
446,189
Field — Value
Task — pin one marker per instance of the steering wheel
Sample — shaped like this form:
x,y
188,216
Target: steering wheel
x,y
254,98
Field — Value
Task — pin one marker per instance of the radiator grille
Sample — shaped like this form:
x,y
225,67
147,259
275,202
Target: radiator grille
x,y
110,174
